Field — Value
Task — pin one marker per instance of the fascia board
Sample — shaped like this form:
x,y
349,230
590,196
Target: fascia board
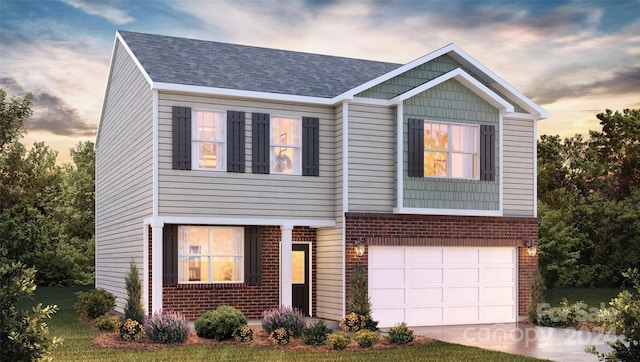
x,y
465,79
241,93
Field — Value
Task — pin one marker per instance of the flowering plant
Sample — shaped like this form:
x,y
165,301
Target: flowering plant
x,y
288,318
280,336
352,322
243,334
167,327
131,330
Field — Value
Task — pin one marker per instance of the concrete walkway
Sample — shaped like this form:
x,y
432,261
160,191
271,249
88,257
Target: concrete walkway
x,y
556,344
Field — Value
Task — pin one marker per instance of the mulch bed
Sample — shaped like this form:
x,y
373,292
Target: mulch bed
x,y
112,340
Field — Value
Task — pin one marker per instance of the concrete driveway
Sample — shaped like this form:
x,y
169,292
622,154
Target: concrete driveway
x,y
556,344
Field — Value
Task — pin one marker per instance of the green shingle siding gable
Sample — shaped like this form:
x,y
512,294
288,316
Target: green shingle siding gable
x,y
454,103
420,75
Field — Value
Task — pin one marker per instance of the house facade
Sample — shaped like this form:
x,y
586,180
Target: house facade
x,y
245,176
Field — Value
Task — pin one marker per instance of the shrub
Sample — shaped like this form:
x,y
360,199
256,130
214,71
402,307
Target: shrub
x,y
220,323
24,335
366,338
352,322
359,301
338,340
280,336
288,318
133,308
107,322
316,334
537,296
563,316
243,334
94,303
400,334
167,327
131,330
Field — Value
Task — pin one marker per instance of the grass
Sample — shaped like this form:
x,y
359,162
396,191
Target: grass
x,y
78,336
592,297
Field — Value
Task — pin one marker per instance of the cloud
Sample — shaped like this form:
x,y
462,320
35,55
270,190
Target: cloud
x,y
50,112
101,9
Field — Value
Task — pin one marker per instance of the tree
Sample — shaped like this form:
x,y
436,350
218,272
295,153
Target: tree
x,y
359,301
133,308
24,335
12,115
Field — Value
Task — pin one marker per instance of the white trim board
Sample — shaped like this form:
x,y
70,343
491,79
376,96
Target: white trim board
x,y
450,212
205,220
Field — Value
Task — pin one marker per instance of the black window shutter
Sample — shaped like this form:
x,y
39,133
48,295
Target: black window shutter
x,y
170,254
260,147
487,153
252,254
310,146
181,138
235,141
416,147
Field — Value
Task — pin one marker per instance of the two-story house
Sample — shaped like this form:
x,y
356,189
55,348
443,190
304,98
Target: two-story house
x,y
254,177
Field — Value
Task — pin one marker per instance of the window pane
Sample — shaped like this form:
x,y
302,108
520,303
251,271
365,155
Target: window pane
x,y
208,155
226,269
226,241
286,160
435,164
297,267
436,136
193,269
210,126
463,165
464,138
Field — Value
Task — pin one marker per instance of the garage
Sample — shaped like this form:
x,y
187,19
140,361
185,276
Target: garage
x,y
442,285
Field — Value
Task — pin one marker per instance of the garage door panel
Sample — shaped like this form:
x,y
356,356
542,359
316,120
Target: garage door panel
x,y
497,275
424,296
422,276
461,275
497,294
461,295
388,297
387,256
490,256
422,256
424,316
455,256
461,314
442,285
386,277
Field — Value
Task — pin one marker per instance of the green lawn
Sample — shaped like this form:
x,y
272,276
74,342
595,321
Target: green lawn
x,y
590,296
77,345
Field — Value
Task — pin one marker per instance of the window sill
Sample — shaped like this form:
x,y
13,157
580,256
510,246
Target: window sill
x,y
192,286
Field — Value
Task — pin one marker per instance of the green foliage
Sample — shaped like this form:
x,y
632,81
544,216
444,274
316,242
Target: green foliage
x,y
107,322
537,296
565,315
167,327
316,334
625,321
24,335
220,323
243,334
359,301
288,318
133,308
366,338
338,340
130,330
280,336
400,334
13,112
94,303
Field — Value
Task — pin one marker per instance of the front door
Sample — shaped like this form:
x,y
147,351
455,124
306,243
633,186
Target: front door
x,y
300,277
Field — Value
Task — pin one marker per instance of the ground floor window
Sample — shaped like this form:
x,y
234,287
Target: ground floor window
x,y
208,254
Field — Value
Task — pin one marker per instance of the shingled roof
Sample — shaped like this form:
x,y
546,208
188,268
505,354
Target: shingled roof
x,y
221,65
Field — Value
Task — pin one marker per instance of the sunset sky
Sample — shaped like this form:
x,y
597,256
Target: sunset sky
x,y
574,58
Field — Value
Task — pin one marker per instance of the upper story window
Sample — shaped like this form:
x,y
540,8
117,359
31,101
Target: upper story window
x,y
286,145
210,254
209,140
451,150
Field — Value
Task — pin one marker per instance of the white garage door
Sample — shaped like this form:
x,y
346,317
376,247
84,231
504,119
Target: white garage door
x,y
442,285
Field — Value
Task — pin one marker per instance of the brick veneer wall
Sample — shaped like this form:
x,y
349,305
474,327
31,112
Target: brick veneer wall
x,y
192,300
430,230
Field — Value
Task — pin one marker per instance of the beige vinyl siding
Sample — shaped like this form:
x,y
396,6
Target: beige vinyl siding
x,y
330,248
124,155
371,158
216,193
518,191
